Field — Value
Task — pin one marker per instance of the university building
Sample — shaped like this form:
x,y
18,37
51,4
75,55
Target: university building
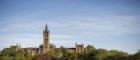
x,y
46,46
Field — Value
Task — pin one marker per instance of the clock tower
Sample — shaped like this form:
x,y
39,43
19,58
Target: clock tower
x,y
46,40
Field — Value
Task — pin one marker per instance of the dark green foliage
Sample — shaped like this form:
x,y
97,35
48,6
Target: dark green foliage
x,y
42,57
135,56
12,54
90,53
5,57
9,51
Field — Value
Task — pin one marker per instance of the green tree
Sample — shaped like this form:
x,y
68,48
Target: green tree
x,y
90,48
42,57
116,55
28,56
20,57
9,51
5,57
137,55
13,54
101,54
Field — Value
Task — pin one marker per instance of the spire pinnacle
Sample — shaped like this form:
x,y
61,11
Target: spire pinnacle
x,y
46,28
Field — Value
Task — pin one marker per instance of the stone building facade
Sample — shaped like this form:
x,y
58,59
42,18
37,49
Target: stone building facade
x,y
46,46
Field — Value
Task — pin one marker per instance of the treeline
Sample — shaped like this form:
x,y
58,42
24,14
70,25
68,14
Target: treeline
x,y
13,54
91,53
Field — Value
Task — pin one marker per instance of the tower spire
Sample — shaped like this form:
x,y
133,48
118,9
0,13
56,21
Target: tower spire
x,y
46,28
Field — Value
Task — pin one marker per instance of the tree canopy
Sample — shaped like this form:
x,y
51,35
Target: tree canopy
x,y
90,53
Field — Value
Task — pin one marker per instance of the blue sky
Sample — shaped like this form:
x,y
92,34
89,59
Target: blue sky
x,y
108,24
